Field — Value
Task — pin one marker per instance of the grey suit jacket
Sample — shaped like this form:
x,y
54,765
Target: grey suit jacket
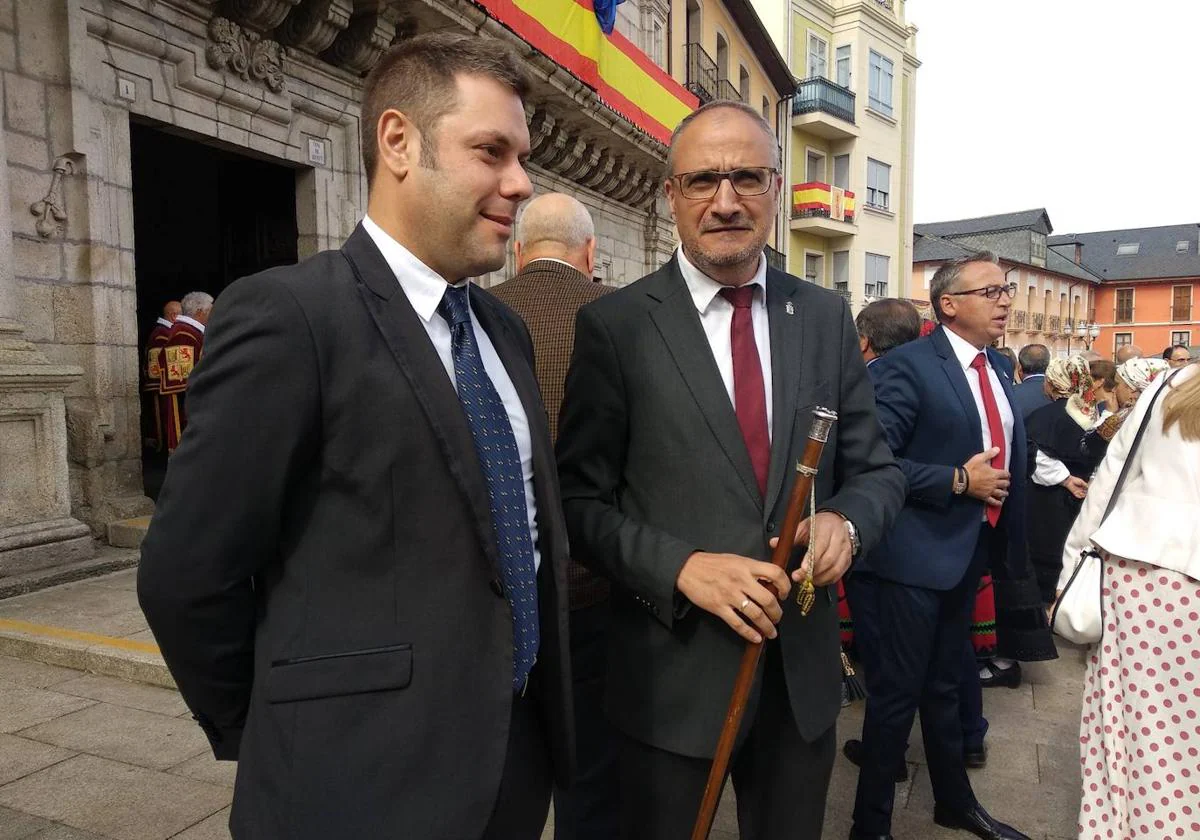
x,y
653,467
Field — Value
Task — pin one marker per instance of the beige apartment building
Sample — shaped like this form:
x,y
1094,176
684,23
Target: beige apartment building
x,y
849,155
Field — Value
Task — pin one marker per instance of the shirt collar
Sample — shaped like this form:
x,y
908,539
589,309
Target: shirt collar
x,y
553,260
423,286
163,322
704,289
964,350
191,321
1032,375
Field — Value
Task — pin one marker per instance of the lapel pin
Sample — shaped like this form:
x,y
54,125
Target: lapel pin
x,y
789,309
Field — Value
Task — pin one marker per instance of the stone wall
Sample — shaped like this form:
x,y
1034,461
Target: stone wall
x,y
76,71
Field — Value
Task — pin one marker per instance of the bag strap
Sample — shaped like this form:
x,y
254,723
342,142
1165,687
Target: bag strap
x,y
1137,439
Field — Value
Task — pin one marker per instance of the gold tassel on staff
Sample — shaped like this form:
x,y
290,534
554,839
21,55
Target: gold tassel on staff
x,y
802,490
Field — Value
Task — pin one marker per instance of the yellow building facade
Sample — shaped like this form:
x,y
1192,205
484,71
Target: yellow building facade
x,y
849,144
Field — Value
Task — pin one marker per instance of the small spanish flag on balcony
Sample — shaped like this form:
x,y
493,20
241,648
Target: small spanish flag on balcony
x,y
817,199
625,79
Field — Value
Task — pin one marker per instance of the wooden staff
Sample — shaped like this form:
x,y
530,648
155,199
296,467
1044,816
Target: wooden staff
x,y
818,433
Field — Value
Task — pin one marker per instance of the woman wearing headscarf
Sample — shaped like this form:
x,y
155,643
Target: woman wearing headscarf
x,y
1139,728
1062,470
1133,377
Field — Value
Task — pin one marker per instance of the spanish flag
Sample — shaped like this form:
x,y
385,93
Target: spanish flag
x,y
624,77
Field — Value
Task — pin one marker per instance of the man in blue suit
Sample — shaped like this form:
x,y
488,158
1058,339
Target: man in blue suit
x,y
946,406
1030,395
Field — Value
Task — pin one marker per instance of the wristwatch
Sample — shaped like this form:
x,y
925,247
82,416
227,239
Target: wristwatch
x,y
855,543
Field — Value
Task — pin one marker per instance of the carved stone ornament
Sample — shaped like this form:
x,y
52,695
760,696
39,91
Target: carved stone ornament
x,y
313,26
246,54
51,211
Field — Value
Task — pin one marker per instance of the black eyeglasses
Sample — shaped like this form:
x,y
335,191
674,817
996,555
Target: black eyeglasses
x,y
990,292
704,183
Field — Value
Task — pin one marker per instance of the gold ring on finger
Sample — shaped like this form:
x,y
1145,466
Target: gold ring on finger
x,y
745,604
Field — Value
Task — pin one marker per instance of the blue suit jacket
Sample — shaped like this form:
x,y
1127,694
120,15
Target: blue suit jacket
x,y
1030,395
932,425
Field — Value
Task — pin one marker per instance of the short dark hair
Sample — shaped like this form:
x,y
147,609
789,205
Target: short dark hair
x,y
418,78
946,276
888,323
1104,371
1170,350
1033,358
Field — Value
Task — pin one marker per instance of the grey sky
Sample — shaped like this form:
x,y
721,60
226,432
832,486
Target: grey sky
x,y
1088,109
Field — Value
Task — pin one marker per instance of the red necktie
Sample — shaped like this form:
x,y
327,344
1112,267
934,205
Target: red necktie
x,y
995,427
749,395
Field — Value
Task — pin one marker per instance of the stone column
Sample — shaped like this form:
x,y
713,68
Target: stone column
x,y
36,527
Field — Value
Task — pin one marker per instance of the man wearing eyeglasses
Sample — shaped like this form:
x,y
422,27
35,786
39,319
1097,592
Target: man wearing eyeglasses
x,y
687,406
948,413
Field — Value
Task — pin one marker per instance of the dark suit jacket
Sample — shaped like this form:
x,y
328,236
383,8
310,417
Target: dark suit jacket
x,y
1029,395
654,467
321,571
547,295
932,424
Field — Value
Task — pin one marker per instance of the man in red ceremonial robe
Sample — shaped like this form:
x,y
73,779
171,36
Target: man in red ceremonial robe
x,y
152,372
179,356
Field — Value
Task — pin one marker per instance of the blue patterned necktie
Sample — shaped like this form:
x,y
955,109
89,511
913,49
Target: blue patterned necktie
x,y
496,447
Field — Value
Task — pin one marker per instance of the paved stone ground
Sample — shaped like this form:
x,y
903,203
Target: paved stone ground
x,y
91,757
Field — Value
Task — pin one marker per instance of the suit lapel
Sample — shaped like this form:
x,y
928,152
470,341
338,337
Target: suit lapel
x,y
679,324
409,343
958,381
787,353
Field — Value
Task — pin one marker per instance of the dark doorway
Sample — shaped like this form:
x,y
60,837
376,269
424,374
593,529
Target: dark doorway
x,y
203,216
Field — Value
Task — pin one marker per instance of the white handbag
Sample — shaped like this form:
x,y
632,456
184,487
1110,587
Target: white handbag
x,y
1078,614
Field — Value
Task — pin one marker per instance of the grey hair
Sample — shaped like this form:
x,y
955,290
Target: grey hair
x,y
558,218
194,303
946,276
733,105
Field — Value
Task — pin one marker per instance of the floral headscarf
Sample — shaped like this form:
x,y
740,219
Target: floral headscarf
x,y
1139,373
1071,379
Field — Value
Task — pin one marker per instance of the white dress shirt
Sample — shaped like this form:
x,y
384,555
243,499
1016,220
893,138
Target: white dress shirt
x,y
163,322
716,316
424,289
966,352
191,321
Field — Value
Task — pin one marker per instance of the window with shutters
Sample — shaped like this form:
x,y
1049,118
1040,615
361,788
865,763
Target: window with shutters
x,y
879,92
879,184
841,171
877,276
1181,303
842,66
818,58
1124,307
813,265
841,271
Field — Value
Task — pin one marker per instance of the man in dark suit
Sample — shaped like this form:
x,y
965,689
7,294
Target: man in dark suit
x,y
942,400
884,325
687,405
1030,395
356,571
555,249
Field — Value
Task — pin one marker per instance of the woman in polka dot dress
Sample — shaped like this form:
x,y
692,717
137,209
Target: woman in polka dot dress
x,y
1140,730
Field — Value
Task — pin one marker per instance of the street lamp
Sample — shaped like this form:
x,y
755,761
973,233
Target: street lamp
x,y
1087,332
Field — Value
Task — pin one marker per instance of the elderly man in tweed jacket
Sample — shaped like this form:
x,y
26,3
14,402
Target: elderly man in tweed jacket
x,y
555,249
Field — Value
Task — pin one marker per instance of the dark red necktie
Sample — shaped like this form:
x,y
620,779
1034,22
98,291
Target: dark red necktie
x,y
749,394
995,427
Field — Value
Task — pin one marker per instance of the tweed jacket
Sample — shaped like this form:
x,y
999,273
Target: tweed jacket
x,y
547,294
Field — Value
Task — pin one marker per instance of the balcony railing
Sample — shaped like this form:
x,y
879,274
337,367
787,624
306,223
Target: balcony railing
x,y
1052,325
844,293
820,94
1181,313
775,259
1037,320
701,73
1016,320
817,199
727,91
